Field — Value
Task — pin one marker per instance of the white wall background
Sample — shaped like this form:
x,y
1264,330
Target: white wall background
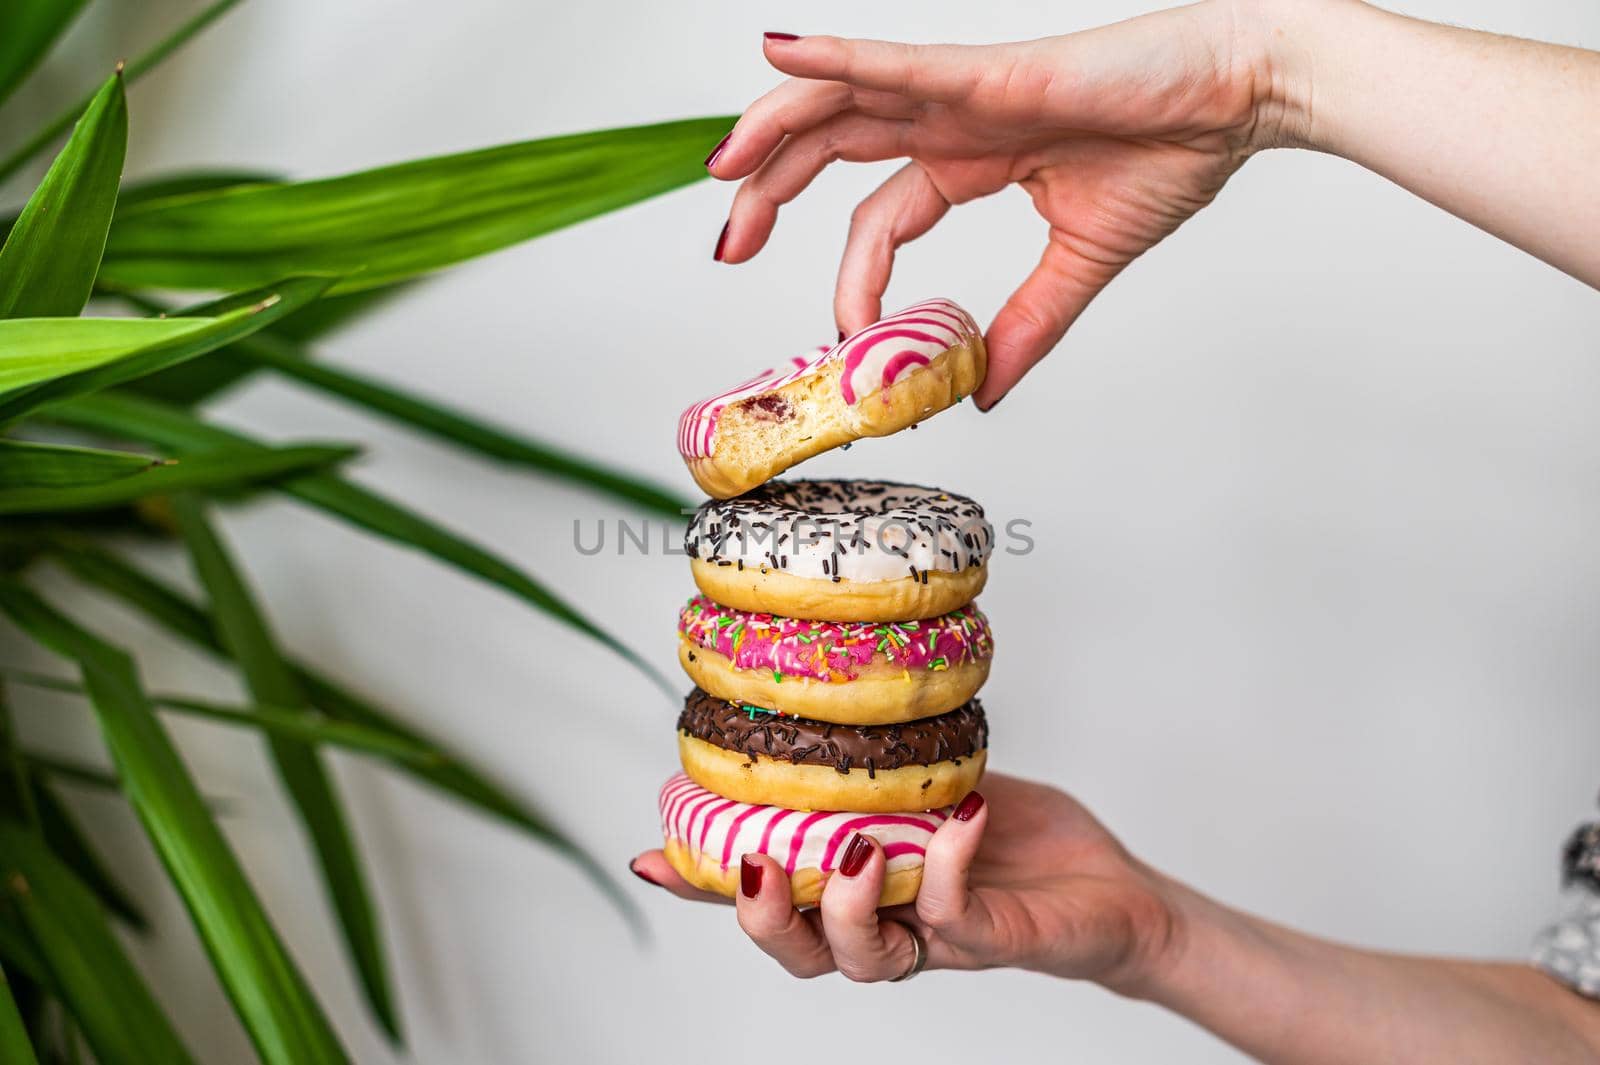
x,y
1311,623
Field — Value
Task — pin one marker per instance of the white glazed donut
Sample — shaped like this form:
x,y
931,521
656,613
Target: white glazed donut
x,y
706,835
841,550
890,375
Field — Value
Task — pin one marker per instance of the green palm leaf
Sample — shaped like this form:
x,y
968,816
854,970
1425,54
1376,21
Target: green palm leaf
x,y
135,70
108,998
30,29
174,183
48,264
379,226
303,724
249,640
184,182
62,357
14,1043
73,772
207,471
179,431
177,614
200,380
18,951
40,349
438,420
30,465
271,997
67,841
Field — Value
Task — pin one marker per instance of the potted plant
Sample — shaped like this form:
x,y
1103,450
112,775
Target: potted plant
x,y
104,436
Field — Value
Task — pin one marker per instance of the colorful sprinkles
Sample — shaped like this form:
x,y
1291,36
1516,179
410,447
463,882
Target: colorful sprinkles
x,y
835,651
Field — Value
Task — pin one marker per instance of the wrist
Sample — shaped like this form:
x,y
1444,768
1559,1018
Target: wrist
x,y
1199,942
1162,928
1285,48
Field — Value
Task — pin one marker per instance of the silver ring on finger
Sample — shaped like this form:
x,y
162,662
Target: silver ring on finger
x,y
919,959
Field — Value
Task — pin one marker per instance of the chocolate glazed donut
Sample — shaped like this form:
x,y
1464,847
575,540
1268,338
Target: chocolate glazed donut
x,y
751,755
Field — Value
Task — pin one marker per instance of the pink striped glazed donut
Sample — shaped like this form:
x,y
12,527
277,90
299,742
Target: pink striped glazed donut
x,y
706,835
890,375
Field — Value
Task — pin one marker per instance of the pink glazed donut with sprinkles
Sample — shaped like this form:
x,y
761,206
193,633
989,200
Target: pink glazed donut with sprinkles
x,y
707,834
843,672
887,377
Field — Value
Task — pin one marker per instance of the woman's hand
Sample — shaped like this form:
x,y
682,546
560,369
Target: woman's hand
x,y
1020,876
1030,879
1118,134
1121,133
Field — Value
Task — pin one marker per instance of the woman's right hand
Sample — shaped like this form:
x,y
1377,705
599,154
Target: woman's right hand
x,y
1021,876
1118,134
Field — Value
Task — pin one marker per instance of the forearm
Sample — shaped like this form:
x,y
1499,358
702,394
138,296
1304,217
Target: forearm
x,y
1291,999
1502,132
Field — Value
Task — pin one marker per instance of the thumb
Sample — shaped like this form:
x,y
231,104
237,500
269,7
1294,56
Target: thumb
x,y
1038,315
943,902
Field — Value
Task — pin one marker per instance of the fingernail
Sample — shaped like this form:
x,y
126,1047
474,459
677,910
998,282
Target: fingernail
x,y
634,869
723,143
855,855
722,240
968,807
774,36
841,336
750,877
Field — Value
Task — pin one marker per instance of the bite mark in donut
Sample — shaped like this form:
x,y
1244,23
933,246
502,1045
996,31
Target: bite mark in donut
x,y
882,379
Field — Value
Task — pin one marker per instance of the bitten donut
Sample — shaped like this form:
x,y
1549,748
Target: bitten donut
x,y
841,550
892,374
752,755
706,835
849,673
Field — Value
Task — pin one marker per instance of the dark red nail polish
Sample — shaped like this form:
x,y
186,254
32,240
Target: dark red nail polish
x,y
722,241
750,877
723,143
634,869
855,855
968,807
841,336
773,36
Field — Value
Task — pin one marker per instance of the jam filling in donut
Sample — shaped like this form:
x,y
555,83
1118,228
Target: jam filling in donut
x,y
871,361
949,737
842,530
831,650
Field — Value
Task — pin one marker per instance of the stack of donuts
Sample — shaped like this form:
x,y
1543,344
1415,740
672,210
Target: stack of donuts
x,y
835,645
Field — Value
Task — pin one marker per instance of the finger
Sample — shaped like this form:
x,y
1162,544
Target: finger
x,y
898,212
944,903
937,72
769,918
797,162
793,107
653,868
1038,315
863,949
